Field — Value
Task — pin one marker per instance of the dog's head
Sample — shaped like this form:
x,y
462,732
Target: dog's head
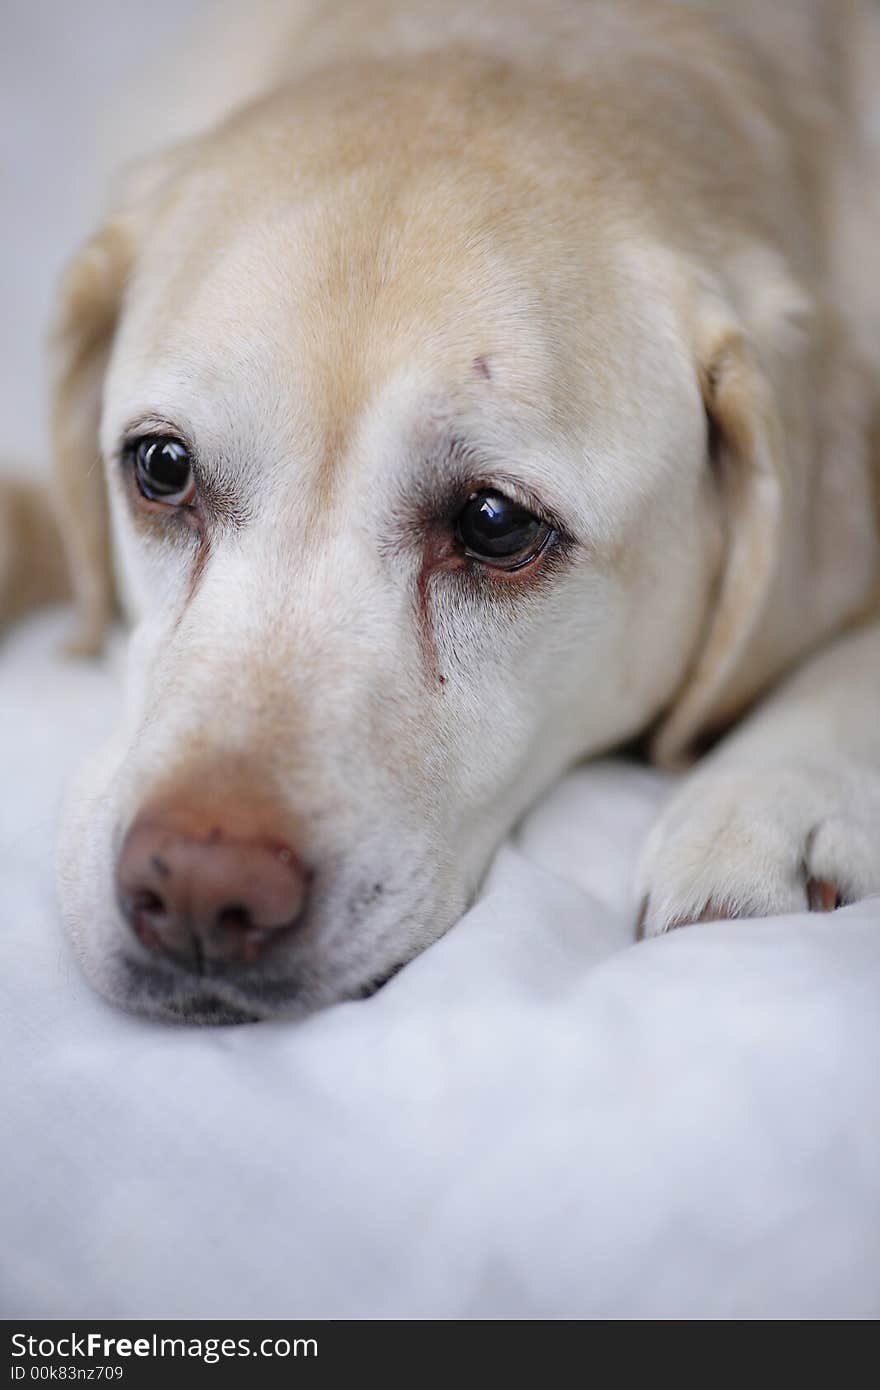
x,y
430,469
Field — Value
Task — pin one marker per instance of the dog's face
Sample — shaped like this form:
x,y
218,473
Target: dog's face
x,y
411,508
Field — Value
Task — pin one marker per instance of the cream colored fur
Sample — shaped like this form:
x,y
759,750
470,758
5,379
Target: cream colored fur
x,y
622,257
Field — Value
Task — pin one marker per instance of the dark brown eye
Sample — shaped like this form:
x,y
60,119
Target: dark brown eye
x,y
499,532
163,470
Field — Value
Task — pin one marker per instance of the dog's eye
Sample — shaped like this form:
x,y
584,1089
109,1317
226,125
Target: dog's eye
x,y
163,470
499,532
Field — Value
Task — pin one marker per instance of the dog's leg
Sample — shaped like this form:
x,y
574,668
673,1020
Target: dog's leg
x,y
784,815
33,569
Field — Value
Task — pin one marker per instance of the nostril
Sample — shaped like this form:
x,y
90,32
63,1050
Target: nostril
x,y
148,913
245,940
144,900
235,918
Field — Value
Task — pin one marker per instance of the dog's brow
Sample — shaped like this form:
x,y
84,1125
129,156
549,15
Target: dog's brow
x,y
449,467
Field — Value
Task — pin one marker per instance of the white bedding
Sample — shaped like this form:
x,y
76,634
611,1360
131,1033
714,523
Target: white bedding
x,y
534,1119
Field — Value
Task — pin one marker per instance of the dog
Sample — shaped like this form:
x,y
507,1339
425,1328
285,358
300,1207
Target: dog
x,y
462,391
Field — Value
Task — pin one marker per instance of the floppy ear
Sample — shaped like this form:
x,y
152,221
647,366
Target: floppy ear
x,y
789,416
89,298
746,448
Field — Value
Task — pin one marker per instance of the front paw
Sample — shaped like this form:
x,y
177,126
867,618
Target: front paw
x,y
762,843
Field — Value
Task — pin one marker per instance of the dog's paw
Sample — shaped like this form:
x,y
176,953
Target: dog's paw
x,y
762,843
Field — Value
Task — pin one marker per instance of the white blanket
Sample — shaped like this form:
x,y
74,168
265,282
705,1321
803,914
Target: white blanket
x,y
534,1119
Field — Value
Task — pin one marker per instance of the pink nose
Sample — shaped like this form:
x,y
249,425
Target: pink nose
x,y
207,897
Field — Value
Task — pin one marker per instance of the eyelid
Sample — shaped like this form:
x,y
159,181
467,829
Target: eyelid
x,y
548,542
149,424
516,492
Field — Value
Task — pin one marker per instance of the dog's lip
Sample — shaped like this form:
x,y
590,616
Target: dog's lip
x,y
207,1008
167,993
164,991
203,975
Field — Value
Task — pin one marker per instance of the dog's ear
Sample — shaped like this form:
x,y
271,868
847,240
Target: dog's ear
x,y
89,298
746,454
788,396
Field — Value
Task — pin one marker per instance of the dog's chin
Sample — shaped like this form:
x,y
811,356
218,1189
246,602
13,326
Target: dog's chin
x,y
173,995
202,1010
177,996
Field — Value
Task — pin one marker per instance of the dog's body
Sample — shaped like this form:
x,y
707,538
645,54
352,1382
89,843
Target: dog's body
x,y
612,264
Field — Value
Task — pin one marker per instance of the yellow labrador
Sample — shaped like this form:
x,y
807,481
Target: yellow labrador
x,y
478,387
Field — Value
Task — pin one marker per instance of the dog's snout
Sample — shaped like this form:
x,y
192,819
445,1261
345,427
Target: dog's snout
x,y
208,896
